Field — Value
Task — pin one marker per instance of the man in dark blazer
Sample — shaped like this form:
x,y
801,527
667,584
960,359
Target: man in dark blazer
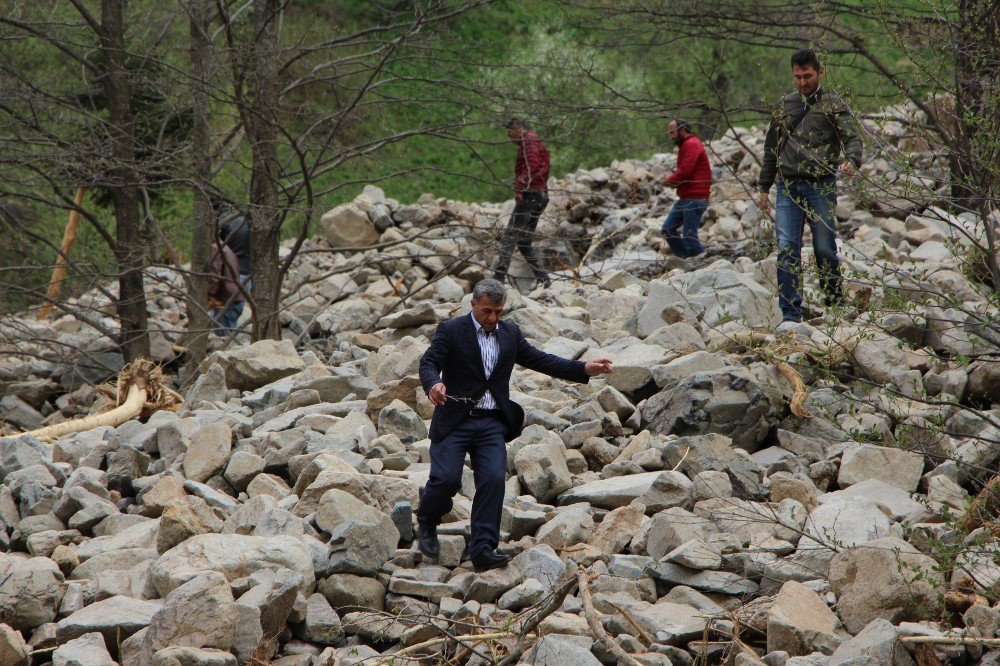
x,y
466,374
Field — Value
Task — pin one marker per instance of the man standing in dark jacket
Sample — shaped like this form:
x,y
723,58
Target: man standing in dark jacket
x,y
531,196
693,180
466,374
802,150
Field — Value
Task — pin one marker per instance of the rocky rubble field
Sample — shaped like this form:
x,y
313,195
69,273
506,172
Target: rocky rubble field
x,y
679,511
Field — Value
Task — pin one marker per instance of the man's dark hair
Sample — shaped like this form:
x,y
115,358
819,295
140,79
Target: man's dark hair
x,y
516,122
805,58
683,125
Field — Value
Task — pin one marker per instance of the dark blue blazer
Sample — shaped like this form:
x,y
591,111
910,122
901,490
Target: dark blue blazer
x,y
454,358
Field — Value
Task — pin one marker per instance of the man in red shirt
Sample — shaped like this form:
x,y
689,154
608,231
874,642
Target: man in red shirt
x,y
531,196
693,180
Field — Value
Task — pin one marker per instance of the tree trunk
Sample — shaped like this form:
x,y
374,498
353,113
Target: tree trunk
x,y
977,103
129,247
202,217
265,221
975,159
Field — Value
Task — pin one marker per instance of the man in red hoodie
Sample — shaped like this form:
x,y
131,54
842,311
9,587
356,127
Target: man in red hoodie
x,y
693,180
531,196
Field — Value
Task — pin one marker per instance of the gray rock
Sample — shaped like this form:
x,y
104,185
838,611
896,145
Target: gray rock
x,y
633,366
208,451
397,418
32,591
188,656
623,490
694,455
800,623
87,650
711,581
261,363
729,402
685,366
845,524
19,453
208,389
19,413
899,502
883,579
322,624
542,468
348,226
347,591
695,554
183,519
199,613
93,369
566,528
264,609
115,618
896,467
561,650
234,556
13,649
715,295
878,643
243,466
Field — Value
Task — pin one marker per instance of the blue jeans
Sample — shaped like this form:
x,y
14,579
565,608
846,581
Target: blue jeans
x,y
801,201
686,217
226,321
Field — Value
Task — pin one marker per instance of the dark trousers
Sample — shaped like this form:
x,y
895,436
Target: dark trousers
x,y
520,232
483,439
800,202
681,227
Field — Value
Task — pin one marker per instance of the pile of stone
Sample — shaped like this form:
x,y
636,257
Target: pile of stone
x,y
270,518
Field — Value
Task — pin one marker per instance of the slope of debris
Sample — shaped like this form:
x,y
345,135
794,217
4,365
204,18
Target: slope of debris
x,y
727,495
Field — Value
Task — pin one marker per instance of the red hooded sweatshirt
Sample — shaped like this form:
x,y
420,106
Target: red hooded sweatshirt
x,y
531,166
693,176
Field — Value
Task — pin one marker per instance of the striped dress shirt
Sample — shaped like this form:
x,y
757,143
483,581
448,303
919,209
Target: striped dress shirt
x,y
489,349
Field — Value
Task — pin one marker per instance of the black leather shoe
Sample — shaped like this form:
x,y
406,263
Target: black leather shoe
x,y
489,559
427,540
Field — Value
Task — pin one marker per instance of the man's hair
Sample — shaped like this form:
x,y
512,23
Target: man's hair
x,y
683,125
805,58
491,289
516,122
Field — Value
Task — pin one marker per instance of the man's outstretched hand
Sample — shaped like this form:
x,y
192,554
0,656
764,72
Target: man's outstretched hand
x,y
437,395
598,366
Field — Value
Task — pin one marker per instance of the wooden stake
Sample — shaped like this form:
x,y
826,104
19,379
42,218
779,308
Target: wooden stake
x,y
59,273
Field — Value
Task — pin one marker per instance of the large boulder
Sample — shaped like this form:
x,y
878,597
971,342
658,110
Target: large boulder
x,y
896,467
542,468
362,537
800,623
715,453
115,618
13,649
233,555
87,650
199,613
249,368
878,643
730,402
348,226
621,491
32,591
883,579
715,295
